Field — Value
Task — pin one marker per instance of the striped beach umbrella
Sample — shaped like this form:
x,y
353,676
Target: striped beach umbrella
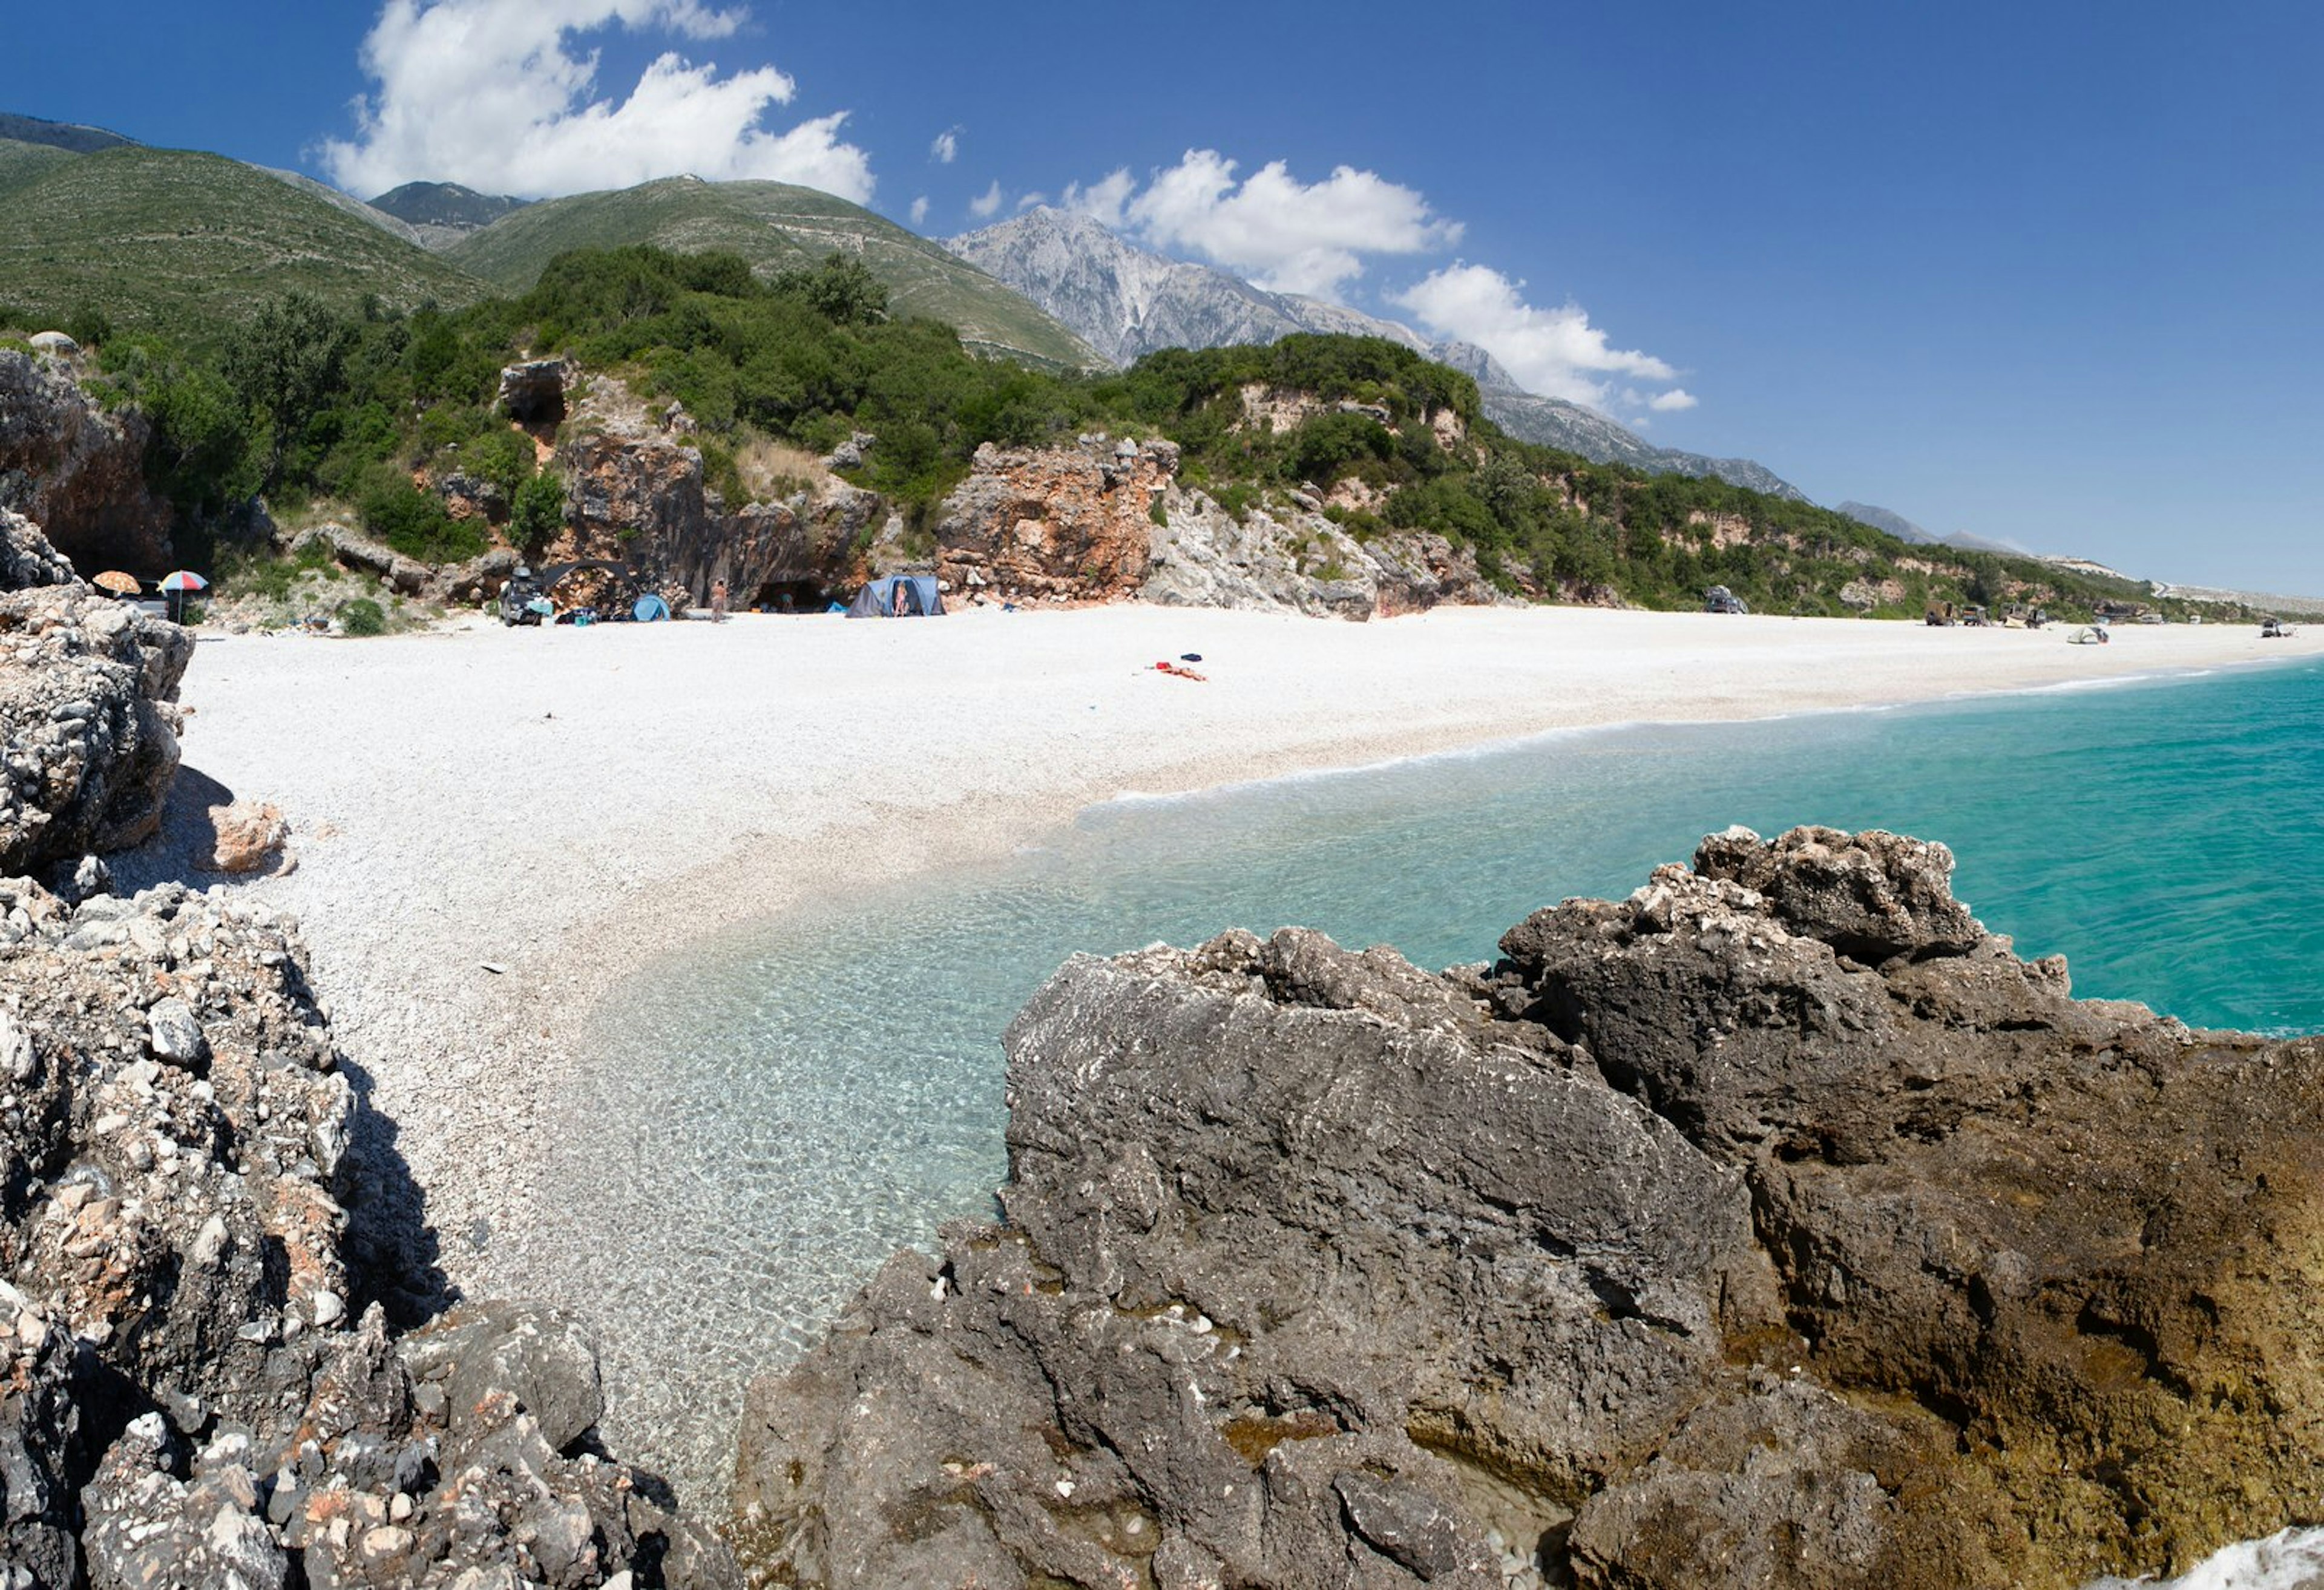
x,y
177,583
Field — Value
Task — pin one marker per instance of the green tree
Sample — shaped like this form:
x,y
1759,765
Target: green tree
x,y
536,512
286,365
842,289
90,326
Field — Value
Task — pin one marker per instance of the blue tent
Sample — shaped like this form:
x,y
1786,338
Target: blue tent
x,y
649,608
898,596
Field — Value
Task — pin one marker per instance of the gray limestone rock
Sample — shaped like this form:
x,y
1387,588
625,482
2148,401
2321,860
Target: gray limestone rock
x,y
179,1287
1774,1226
87,718
1277,1212
26,557
542,1356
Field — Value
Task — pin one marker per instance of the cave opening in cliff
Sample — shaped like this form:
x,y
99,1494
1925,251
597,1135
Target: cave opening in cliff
x,y
794,596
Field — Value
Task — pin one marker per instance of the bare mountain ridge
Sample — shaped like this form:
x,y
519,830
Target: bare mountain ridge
x,y
1905,530
1127,301
70,136
440,214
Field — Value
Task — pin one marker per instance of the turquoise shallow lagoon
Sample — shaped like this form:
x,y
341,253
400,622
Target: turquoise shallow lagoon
x,y
782,1108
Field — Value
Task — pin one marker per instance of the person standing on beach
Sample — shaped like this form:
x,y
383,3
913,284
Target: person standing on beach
x,y
718,602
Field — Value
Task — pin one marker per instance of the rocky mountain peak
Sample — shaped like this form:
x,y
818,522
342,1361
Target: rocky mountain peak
x,y
1127,301
446,205
1489,374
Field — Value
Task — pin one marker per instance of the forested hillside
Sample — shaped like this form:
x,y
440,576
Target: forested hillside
x,y
314,403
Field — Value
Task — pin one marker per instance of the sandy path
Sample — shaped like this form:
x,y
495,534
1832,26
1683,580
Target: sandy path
x,y
566,803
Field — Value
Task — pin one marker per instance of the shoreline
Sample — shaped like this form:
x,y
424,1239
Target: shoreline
x,y
574,807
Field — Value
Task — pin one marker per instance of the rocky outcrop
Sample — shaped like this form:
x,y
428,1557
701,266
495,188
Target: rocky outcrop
x,y
78,472
637,494
202,1384
1775,1225
27,559
1105,521
199,1383
538,393
459,584
1299,559
1070,522
89,719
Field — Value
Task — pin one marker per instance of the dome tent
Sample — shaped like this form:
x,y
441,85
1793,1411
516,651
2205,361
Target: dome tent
x,y
898,596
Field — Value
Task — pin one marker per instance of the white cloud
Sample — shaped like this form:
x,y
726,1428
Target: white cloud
x,y
1102,201
1032,199
1556,353
1284,235
503,96
986,204
946,148
919,209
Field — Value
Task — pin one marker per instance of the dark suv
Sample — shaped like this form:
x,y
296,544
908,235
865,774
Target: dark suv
x,y
517,598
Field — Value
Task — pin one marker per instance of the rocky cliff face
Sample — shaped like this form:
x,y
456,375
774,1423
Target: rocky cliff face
x,y
1775,1225
1099,520
78,472
1079,524
1056,522
89,688
1295,558
635,494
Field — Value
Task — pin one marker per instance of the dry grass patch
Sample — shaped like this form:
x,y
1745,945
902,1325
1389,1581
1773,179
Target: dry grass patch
x,y
774,470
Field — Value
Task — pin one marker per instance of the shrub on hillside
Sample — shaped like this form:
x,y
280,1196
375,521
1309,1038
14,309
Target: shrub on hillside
x,y
90,326
415,523
536,513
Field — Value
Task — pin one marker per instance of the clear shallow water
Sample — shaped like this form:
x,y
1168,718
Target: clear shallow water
x,y
778,1111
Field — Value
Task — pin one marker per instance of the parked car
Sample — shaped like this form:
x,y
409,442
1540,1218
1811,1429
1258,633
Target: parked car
x,y
1722,600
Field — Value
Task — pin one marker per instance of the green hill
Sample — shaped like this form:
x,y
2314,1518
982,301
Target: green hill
x,y
191,244
775,226
20,162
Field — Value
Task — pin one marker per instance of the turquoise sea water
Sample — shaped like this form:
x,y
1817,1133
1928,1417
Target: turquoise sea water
x,y
782,1110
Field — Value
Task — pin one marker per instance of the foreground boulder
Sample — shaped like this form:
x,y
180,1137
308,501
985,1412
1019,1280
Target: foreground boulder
x,y
201,1385
89,719
1776,1226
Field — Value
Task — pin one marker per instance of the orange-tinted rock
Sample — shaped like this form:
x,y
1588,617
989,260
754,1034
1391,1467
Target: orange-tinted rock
x,y
1071,522
250,836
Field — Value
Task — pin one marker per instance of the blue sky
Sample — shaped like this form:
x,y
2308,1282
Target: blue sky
x,y
2042,272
